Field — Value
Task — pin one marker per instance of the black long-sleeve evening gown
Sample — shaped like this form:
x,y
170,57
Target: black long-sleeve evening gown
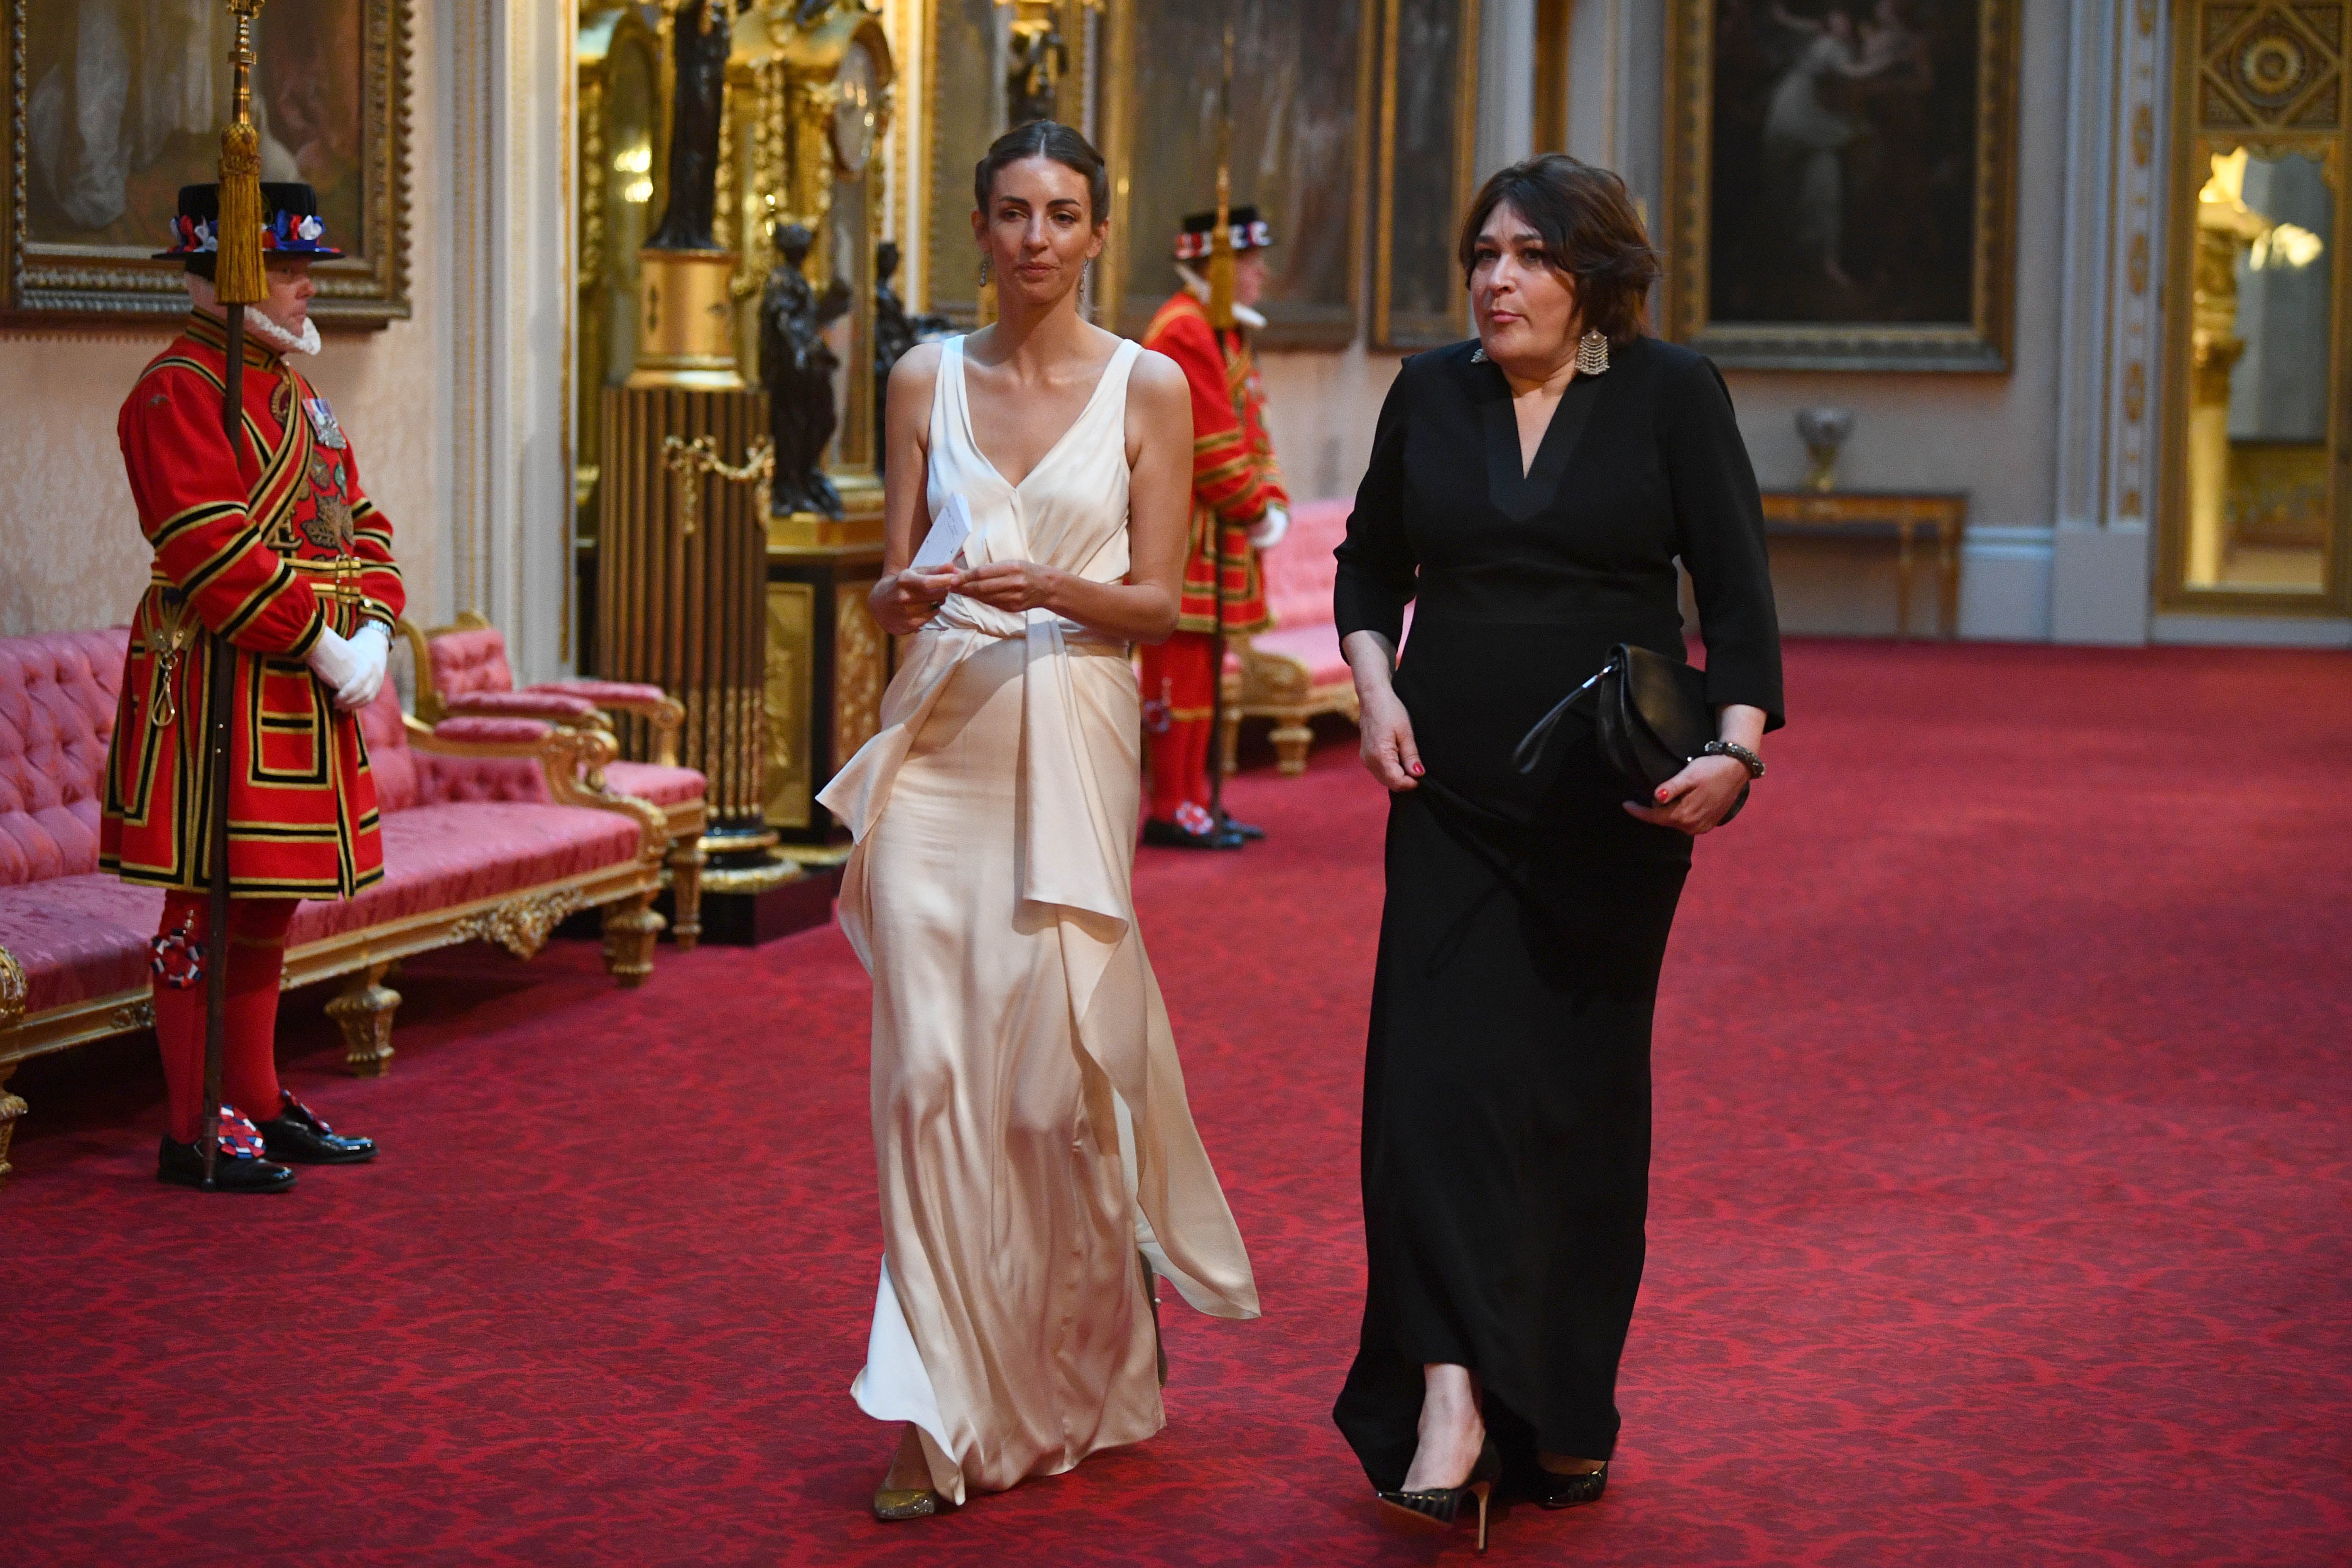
x,y
1506,1086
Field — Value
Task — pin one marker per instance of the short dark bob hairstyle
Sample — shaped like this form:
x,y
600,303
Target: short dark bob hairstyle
x,y
1051,140
1590,232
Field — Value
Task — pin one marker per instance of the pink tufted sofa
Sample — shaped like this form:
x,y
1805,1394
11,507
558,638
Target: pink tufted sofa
x,y
492,831
462,669
1294,671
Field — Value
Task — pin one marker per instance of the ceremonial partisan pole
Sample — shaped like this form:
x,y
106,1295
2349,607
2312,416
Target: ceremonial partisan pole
x,y
240,278
1221,320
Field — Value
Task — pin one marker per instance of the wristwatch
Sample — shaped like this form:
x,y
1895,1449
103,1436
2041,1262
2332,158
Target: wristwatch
x,y
1739,753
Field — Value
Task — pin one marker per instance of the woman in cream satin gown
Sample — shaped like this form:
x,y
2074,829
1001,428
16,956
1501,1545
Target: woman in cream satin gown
x,y
1030,1123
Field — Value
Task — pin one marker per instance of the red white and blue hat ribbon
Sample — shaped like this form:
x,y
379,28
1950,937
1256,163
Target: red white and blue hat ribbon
x,y
1194,245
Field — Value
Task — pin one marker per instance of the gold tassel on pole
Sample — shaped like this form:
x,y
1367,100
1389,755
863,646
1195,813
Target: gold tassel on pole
x,y
1221,242
239,277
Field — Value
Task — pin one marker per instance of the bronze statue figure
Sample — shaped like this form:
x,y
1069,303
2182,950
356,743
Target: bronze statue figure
x,y
1036,60
796,366
705,36
894,332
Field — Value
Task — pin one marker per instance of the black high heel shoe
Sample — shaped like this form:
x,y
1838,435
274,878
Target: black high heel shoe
x,y
1437,1507
1558,1490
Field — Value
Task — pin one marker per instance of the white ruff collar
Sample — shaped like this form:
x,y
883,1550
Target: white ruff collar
x,y
256,320
1198,287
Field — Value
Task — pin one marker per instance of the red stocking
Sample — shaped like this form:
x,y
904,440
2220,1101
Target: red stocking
x,y
257,957
1177,672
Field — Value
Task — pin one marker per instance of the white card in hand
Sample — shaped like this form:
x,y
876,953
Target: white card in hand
x,y
949,531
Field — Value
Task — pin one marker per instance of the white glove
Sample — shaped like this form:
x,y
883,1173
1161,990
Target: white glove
x,y
1267,531
333,659
372,648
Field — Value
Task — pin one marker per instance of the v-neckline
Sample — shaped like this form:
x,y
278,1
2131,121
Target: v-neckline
x,y
1519,490
972,436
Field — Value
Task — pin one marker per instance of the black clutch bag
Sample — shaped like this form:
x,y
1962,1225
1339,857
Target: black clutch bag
x,y
1649,715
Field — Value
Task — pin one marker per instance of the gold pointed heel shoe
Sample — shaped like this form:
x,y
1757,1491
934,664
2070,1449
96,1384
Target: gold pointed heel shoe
x,y
892,1504
1435,1511
1152,1294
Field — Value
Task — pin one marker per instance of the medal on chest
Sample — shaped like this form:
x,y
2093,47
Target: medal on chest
x,y
323,424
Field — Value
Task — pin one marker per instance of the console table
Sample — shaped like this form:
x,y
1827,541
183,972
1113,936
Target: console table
x,y
1901,516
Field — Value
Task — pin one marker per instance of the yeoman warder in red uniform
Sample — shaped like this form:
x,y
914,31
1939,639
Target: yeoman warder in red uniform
x,y
274,546
1236,494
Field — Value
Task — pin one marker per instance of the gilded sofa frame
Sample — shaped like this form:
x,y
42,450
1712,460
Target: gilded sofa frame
x,y
1279,686
682,869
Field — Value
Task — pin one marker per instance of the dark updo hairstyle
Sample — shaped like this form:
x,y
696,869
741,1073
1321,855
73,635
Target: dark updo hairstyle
x,y
1046,139
1591,231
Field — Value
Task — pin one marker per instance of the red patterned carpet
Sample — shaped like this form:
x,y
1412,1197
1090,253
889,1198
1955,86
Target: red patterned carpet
x,y
2003,1202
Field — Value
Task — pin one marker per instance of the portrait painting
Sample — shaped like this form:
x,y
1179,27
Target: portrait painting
x,y
1429,98
1842,174
118,104
1301,100
964,110
986,69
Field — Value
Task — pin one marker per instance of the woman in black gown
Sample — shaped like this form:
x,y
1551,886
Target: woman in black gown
x,y
1533,511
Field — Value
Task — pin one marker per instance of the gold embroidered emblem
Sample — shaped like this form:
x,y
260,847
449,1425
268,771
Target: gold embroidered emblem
x,y
281,403
331,527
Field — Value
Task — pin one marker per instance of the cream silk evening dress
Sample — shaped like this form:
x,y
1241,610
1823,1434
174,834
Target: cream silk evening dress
x,y
1029,1115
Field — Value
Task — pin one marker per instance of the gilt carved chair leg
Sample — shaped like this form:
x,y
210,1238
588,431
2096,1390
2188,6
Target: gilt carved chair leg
x,y
630,927
685,858
364,1012
1229,744
1291,737
11,1107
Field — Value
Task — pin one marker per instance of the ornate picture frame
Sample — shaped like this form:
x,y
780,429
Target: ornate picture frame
x,y
1306,95
2256,520
83,220
1428,140
978,56
1772,113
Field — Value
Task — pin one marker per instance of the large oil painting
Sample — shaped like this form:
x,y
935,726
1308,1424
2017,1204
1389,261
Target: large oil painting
x,y
1844,178
115,104
1302,98
988,66
1429,105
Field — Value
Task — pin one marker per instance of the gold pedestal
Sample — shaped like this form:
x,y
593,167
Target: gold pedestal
x,y
827,659
678,596
685,322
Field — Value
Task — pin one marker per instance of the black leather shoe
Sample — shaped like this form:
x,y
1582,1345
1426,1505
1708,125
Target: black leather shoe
x,y
1437,1509
1558,1490
294,1134
184,1164
1174,836
1249,834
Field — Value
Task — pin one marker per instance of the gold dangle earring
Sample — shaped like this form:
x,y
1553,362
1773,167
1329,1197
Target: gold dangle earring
x,y
1592,354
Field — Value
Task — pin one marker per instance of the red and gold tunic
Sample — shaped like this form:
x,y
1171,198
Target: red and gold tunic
x,y
266,545
1234,477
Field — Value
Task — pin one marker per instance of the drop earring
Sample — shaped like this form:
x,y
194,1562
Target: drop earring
x,y
983,269
1592,354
